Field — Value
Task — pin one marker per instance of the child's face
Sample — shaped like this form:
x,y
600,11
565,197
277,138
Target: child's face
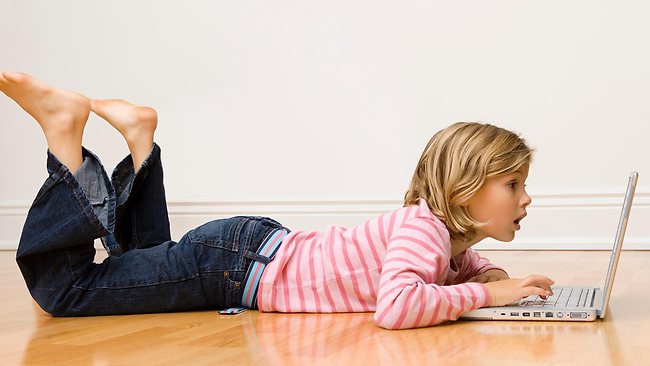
x,y
501,201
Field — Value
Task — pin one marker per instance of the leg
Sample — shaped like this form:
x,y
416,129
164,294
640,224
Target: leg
x,y
142,220
136,124
55,252
204,270
56,244
61,114
141,215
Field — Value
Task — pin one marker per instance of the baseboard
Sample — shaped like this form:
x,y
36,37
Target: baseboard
x,y
556,221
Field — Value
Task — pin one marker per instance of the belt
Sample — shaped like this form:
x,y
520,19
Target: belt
x,y
268,249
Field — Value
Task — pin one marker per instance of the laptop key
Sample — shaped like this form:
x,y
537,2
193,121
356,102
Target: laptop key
x,y
587,297
574,300
533,303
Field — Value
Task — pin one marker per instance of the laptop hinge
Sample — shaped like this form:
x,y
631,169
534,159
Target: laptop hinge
x,y
594,302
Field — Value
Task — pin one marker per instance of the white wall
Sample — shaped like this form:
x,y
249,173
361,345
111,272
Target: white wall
x,y
342,97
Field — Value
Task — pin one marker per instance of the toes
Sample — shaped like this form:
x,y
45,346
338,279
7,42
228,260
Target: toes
x,y
15,77
3,82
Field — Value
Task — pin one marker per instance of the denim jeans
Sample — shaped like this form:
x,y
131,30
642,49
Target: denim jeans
x,y
146,271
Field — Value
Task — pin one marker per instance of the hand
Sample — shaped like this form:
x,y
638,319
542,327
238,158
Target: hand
x,y
507,291
490,276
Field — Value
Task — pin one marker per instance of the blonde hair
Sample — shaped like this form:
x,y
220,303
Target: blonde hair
x,y
456,163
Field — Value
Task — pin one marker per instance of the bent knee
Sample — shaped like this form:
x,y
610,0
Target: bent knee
x,y
52,301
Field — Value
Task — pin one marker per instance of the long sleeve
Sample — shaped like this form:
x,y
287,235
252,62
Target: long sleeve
x,y
474,264
411,292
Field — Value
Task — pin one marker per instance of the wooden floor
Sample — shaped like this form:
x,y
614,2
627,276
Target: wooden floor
x,y
31,337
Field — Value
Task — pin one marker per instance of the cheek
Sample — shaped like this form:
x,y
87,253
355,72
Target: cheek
x,y
509,210
496,205
478,212
500,212
488,214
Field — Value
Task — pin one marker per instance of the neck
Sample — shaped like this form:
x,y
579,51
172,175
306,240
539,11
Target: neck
x,y
458,245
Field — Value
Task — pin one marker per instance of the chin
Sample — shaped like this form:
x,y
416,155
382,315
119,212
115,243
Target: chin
x,y
504,238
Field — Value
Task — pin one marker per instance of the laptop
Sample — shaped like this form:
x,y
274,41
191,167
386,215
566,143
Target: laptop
x,y
568,303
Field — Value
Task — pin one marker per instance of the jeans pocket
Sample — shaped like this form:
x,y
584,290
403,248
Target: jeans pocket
x,y
265,220
216,233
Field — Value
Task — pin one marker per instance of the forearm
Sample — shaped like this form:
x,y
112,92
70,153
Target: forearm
x,y
421,305
498,273
491,275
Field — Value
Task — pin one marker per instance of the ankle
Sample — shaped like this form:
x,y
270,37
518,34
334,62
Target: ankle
x,y
70,156
140,147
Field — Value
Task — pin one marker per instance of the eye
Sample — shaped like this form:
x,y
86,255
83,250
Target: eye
x,y
512,184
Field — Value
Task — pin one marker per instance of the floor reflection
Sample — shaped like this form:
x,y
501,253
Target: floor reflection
x,y
310,339
350,339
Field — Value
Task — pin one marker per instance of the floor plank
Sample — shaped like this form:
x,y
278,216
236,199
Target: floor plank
x,y
31,337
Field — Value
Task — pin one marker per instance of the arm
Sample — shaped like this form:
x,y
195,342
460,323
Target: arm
x,y
479,269
408,295
501,288
490,276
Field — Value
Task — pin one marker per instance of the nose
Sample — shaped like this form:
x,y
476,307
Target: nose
x,y
526,200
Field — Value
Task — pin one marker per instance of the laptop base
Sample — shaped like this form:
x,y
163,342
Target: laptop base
x,y
586,313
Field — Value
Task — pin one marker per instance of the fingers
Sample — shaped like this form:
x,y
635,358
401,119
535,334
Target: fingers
x,y
539,278
532,290
539,281
538,285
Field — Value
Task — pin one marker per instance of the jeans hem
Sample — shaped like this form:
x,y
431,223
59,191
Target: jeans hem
x,y
60,171
125,173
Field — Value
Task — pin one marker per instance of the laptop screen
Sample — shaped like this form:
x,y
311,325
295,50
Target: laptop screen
x,y
618,241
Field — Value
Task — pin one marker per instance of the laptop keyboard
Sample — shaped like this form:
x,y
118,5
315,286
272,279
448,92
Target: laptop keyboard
x,y
561,298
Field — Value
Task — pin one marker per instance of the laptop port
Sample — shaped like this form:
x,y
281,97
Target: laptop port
x,y
514,314
549,314
537,314
525,314
578,315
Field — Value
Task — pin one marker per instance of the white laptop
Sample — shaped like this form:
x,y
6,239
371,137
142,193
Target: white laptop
x,y
568,303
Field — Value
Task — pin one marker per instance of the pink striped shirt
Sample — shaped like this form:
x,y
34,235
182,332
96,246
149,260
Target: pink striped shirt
x,y
398,265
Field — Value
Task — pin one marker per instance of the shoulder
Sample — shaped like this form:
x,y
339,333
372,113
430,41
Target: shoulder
x,y
421,213
421,225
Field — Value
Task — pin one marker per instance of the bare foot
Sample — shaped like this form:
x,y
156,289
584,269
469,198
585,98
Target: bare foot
x,y
136,123
61,114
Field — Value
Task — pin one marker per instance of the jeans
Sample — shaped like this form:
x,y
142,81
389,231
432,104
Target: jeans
x,y
145,271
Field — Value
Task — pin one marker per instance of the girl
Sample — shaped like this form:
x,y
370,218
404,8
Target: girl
x,y
413,267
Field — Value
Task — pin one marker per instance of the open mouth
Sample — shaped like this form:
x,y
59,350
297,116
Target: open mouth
x,y
519,219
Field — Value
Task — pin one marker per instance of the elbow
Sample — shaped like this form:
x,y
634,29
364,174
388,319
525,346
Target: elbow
x,y
395,325
388,317
399,314
383,323
397,317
